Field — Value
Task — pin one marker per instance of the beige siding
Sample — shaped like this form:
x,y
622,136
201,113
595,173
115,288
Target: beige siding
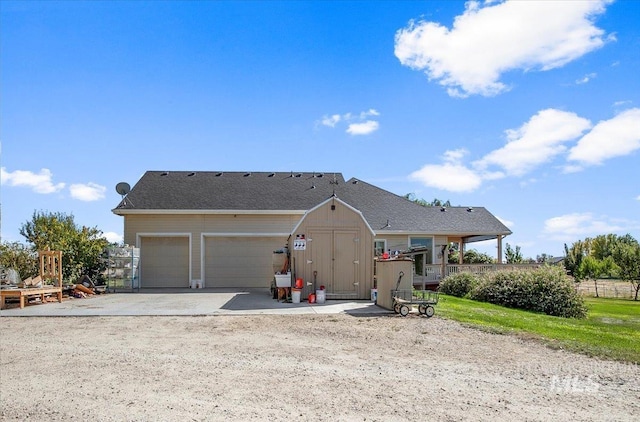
x,y
199,225
395,242
439,242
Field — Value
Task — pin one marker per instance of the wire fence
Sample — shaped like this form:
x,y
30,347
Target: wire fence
x,y
607,288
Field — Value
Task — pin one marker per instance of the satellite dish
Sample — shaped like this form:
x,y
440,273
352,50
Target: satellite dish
x,y
123,188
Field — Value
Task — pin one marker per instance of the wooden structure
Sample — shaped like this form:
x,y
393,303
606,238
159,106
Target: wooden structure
x,y
332,245
50,269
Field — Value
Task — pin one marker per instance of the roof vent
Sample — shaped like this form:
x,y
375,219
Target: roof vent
x,y
470,209
191,174
219,174
355,182
298,175
271,174
443,209
164,173
313,186
247,175
319,175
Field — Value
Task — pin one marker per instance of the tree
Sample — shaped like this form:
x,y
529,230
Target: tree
x,y
626,255
592,268
513,256
602,246
17,256
573,256
82,247
472,256
435,203
544,259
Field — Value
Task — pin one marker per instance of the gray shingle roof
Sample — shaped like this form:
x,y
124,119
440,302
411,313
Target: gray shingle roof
x,y
291,191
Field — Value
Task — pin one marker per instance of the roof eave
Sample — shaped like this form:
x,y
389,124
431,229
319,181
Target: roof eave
x,y
193,212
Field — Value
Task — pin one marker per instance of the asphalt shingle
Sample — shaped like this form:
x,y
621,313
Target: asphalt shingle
x,y
301,191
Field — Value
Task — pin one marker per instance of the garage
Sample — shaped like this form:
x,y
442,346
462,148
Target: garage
x,y
164,262
240,261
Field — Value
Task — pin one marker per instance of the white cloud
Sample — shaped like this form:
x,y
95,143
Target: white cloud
x,y
622,103
487,41
369,113
535,142
358,124
451,175
331,121
364,128
610,138
638,198
576,226
113,237
87,192
585,79
507,223
38,182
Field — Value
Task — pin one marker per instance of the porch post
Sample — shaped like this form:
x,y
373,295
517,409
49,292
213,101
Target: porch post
x,y
445,258
499,238
461,254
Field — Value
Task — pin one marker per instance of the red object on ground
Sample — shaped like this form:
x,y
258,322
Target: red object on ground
x,y
299,283
312,298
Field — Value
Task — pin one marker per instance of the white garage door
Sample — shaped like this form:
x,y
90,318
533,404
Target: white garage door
x,y
164,262
240,262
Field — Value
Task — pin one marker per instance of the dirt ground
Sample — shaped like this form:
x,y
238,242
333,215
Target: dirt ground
x,y
297,367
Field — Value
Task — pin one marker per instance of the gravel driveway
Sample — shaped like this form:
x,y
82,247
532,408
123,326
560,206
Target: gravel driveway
x,y
297,367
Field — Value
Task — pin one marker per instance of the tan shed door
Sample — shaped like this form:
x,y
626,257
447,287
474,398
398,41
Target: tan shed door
x,y
164,262
334,254
240,262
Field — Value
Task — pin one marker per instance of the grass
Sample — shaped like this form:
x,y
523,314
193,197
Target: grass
x,y
610,331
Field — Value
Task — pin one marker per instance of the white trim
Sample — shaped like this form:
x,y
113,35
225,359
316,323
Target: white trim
x,y
139,236
431,233
333,198
243,234
433,245
384,247
216,212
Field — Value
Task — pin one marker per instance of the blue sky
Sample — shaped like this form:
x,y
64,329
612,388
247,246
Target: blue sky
x,y
530,109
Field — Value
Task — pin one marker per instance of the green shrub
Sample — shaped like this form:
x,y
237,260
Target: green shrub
x,y
459,284
546,289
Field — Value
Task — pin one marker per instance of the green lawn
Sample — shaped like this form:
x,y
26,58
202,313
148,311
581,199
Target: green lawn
x,y
611,329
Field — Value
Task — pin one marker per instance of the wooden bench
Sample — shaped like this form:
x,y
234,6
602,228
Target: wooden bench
x,y
50,269
29,292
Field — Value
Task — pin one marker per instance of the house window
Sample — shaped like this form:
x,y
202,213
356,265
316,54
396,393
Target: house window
x,y
426,258
379,246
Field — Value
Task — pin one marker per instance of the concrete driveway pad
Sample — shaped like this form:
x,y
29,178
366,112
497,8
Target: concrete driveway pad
x,y
189,302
